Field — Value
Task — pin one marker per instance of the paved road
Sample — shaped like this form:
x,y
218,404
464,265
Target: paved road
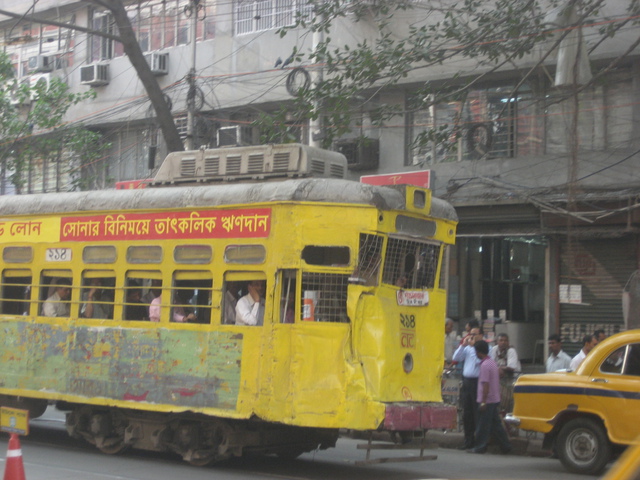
x,y
49,454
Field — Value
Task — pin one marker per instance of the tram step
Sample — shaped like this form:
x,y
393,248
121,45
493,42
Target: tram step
x,y
371,461
393,446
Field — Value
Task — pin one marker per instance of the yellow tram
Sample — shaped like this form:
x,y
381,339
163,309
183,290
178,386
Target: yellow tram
x,y
122,307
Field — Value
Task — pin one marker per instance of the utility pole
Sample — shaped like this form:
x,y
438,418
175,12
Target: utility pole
x,y
316,134
191,77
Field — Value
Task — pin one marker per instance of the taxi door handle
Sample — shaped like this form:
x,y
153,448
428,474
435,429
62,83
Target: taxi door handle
x,y
599,380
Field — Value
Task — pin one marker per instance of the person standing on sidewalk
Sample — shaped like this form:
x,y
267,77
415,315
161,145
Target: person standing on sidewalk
x,y
489,421
558,359
470,370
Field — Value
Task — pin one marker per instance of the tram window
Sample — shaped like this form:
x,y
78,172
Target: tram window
x,y
134,309
193,254
142,287
244,298
144,254
419,199
230,300
17,254
55,293
288,296
444,268
245,254
191,299
369,260
416,226
329,256
99,254
410,264
16,292
324,297
96,299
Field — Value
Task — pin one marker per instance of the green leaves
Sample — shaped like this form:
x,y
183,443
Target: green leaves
x,y
402,40
34,135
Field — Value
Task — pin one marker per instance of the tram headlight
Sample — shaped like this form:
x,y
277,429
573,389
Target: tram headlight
x,y
407,363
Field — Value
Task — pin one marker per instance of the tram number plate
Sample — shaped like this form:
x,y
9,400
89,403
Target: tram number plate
x,y
407,331
58,255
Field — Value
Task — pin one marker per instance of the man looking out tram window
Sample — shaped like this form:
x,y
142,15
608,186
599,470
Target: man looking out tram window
x,y
55,305
96,304
250,308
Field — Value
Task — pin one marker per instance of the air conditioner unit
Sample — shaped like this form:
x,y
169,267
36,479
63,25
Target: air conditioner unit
x,y
362,153
40,64
236,135
158,62
39,84
96,74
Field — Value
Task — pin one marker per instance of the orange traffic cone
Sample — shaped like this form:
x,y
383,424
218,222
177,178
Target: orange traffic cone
x,y
14,469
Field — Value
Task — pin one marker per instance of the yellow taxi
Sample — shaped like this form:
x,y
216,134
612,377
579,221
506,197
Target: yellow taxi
x,y
627,467
588,415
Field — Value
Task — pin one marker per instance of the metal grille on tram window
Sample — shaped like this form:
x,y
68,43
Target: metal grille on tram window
x,y
369,259
317,167
188,167
417,261
336,171
211,166
233,165
329,294
256,164
281,162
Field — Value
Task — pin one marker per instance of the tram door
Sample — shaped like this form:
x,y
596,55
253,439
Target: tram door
x,y
309,334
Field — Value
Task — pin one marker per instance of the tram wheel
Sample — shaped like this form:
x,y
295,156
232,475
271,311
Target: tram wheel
x,y
108,429
211,445
112,446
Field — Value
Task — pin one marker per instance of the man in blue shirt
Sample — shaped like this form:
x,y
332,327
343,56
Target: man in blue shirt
x,y
470,371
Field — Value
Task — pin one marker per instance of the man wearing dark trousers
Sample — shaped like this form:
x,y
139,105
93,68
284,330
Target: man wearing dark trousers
x,y
470,370
489,422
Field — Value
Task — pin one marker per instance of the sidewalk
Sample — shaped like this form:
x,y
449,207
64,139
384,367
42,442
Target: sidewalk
x,y
522,444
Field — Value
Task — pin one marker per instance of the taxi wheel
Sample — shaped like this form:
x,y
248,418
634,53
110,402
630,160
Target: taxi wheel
x,y
583,446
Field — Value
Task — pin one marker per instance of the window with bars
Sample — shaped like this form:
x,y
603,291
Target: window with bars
x,y
258,16
328,293
158,24
486,123
369,260
410,264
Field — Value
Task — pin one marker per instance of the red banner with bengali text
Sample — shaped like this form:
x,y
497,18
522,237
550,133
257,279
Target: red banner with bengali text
x,y
242,223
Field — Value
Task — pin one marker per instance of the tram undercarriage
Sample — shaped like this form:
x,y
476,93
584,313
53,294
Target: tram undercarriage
x,y
199,439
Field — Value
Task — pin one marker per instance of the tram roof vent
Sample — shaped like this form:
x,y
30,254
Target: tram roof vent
x,y
250,163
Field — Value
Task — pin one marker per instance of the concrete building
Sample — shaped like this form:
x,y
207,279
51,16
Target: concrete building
x,y
548,236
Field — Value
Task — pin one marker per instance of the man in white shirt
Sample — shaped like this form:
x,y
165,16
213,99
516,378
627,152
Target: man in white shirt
x,y
57,304
588,342
505,357
466,354
558,359
250,308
